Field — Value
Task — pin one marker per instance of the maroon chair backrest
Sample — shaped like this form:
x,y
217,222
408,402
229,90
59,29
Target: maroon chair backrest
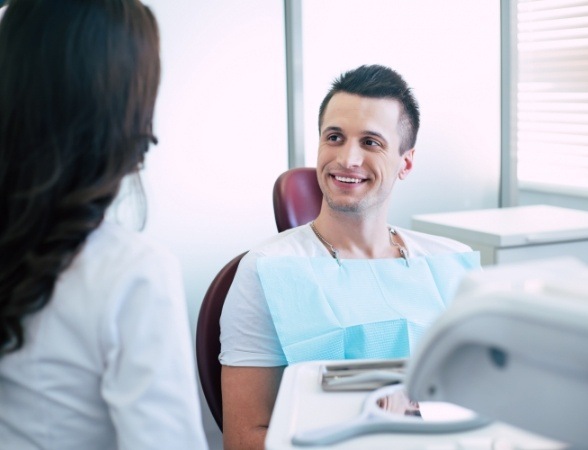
x,y
208,338
297,198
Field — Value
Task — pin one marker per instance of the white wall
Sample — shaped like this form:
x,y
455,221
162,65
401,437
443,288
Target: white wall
x,y
221,123
449,52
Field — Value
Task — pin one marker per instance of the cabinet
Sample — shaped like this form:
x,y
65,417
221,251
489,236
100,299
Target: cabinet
x,y
505,235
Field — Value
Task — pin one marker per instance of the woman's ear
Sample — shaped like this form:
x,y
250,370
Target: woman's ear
x,y
406,164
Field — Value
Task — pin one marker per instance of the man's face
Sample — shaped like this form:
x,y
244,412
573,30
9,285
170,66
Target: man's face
x,y
358,158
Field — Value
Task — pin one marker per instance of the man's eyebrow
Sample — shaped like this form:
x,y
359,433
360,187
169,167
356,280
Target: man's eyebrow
x,y
332,128
336,129
375,134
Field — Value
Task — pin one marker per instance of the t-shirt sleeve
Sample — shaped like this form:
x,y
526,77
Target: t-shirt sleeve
x,y
248,335
149,382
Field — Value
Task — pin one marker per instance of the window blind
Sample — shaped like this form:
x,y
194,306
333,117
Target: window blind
x,y
552,96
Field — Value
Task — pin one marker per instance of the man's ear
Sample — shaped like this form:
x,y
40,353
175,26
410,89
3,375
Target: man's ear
x,y
406,164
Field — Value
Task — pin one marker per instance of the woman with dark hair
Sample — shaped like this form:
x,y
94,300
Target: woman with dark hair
x,y
95,348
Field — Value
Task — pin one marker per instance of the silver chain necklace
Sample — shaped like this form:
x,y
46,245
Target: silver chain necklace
x,y
335,253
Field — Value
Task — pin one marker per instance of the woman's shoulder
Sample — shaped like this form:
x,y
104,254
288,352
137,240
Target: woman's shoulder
x,y
116,241
112,251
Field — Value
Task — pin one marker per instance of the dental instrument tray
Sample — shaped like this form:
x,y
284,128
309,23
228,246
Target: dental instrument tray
x,y
361,375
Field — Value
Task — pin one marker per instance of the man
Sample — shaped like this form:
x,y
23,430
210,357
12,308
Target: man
x,y
307,293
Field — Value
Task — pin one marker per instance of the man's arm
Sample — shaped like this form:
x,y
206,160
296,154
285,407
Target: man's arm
x,y
249,394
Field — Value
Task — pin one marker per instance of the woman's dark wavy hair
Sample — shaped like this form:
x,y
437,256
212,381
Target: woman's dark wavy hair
x,y
77,92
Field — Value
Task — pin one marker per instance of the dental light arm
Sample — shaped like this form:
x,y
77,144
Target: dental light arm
x,y
513,346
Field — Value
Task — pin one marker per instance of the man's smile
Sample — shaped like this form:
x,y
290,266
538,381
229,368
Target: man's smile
x,y
348,179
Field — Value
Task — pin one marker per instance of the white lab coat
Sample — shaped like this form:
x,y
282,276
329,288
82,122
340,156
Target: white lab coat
x,y
108,363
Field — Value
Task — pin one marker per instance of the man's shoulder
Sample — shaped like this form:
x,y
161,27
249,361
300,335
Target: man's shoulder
x,y
298,241
422,244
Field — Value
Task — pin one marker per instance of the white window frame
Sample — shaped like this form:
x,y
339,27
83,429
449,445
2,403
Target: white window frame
x,y
545,148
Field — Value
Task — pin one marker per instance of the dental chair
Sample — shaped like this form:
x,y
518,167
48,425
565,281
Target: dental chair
x,y
208,338
297,198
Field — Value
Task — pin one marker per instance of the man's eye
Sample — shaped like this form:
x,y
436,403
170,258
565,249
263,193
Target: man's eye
x,y
333,138
371,142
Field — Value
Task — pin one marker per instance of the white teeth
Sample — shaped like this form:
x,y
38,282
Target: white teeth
x,y
348,180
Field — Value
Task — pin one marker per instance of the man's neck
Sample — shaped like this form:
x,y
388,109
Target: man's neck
x,y
355,235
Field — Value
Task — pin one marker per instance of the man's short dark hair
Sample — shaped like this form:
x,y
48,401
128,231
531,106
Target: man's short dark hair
x,y
377,81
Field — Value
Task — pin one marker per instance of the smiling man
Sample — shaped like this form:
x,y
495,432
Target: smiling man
x,y
348,284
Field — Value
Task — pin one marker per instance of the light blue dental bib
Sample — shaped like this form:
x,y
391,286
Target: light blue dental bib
x,y
365,308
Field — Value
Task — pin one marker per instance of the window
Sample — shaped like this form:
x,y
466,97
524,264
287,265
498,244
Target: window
x,y
551,96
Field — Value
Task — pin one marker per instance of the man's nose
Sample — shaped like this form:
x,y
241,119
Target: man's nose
x,y
350,155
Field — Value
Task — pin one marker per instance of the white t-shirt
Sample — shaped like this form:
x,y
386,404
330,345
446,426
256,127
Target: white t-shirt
x,y
248,336
108,362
